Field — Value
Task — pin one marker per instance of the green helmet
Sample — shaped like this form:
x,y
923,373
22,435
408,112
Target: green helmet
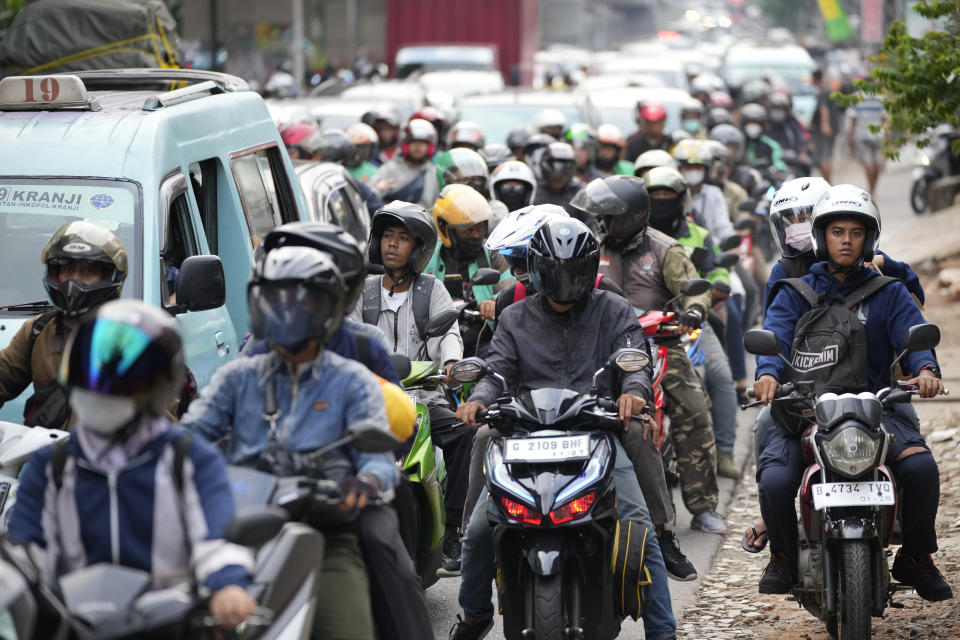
x,y
463,166
581,134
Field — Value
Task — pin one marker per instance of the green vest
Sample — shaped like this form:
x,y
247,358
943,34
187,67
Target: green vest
x,y
697,240
623,168
364,172
438,268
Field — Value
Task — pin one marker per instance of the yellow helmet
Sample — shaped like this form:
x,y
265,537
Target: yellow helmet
x,y
690,152
401,413
458,207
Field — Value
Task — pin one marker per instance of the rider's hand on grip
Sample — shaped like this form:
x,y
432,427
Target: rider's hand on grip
x,y
629,405
928,385
765,389
467,413
231,605
358,491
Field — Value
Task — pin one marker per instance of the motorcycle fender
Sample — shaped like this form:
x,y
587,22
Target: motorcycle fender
x,y
850,528
546,552
809,515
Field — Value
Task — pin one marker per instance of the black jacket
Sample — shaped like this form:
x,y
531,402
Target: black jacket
x,y
535,347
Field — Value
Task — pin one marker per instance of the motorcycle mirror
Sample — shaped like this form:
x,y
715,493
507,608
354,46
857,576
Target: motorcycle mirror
x,y
485,276
761,342
442,322
372,439
726,260
17,599
695,287
730,242
469,370
254,526
629,360
921,337
402,364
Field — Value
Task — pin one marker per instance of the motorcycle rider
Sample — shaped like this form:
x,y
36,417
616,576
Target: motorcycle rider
x,y
759,149
463,166
691,118
466,134
719,176
280,406
709,207
667,184
84,266
651,119
845,228
122,367
514,184
293,136
333,145
650,267
650,159
364,140
409,175
438,119
558,183
583,139
566,320
495,154
551,122
517,140
401,303
612,144
386,123
785,129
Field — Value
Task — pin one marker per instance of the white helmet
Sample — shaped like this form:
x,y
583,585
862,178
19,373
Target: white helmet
x,y
790,213
846,201
653,158
512,235
550,118
518,171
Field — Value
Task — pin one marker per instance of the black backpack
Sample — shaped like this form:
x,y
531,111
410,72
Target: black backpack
x,y
829,342
420,293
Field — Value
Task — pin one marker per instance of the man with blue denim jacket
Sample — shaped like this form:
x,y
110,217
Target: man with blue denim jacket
x,y
845,233
296,303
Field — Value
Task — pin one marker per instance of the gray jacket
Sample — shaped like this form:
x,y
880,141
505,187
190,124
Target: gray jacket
x,y
534,347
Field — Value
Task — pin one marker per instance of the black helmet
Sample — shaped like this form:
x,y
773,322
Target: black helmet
x,y
496,154
87,242
753,113
124,360
517,138
558,161
718,116
418,222
621,205
295,295
348,255
564,258
332,144
535,145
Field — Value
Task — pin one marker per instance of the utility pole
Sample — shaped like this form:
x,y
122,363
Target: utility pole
x,y
214,45
296,44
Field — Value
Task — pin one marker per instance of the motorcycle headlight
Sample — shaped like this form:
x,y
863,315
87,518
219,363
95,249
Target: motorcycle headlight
x,y
851,451
925,160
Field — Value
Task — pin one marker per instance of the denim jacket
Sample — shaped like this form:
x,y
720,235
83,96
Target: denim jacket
x,y
316,406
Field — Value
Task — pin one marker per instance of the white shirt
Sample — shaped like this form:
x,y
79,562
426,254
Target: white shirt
x,y
395,301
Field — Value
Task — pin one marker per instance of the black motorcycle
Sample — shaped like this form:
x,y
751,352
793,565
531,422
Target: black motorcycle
x,y
550,476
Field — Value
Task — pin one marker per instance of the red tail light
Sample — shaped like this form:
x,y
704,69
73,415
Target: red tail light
x,y
520,512
573,509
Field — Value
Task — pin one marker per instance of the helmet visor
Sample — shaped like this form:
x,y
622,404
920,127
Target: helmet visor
x,y
289,313
599,199
780,223
563,281
111,357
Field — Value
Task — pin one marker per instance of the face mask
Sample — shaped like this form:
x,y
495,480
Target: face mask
x,y
753,130
691,125
468,249
797,237
664,213
694,176
778,115
101,413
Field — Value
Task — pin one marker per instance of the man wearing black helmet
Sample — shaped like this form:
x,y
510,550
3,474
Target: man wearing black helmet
x,y
558,182
576,329
84,266
333,145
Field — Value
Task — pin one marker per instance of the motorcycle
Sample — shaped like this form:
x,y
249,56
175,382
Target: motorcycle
x,y
849,502
663,330
549,474
935,163
474,330
17,444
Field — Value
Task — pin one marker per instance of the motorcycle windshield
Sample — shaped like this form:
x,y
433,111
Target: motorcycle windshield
x,y
550,406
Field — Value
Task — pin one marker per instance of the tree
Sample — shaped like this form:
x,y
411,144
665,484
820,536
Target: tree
x,y
918,79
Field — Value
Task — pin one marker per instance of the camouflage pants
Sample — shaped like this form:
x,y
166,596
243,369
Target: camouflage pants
x,y
692,431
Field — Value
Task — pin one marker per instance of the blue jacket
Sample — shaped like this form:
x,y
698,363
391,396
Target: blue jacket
x,y
889,313
316,406
891,267
134,516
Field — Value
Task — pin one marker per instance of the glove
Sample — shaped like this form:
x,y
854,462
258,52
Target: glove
x,y
692,317
361,485
721,291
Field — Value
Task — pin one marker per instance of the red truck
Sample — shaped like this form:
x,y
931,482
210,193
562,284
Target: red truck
x,y
507,29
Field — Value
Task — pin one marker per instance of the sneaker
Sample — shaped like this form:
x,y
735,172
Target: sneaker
x,y
920,573
470,629
779,576
726,467
678,567
709,522
450,565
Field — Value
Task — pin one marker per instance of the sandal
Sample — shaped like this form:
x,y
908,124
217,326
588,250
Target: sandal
x,y
757,535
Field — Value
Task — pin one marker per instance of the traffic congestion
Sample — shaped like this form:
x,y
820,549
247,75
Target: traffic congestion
x,y
421,348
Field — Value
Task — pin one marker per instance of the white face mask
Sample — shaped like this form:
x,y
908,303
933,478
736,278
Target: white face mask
x,y
753,130
797,237
102,413
694,176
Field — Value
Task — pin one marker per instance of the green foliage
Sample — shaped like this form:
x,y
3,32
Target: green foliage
x,y
8,9
918,79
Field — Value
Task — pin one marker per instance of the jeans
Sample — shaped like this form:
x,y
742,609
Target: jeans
x,y
456,440
718,382
735,330
477,566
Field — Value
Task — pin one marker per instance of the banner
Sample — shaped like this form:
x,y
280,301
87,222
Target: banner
x,y
837,26
871,20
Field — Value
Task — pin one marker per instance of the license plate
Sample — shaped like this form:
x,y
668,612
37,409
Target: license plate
x,y
852,494
547,449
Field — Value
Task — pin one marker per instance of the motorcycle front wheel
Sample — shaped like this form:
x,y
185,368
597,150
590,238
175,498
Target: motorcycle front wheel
x,y
855,599
548,607
919,196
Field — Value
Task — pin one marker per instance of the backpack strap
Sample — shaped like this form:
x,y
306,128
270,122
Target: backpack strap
x,y
370,310
798,285
181,447
519,292
872,286
58,460
39,325
422,292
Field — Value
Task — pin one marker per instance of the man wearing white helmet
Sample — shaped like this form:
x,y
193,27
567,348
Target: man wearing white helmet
x,y
845,230
514,184
551,122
